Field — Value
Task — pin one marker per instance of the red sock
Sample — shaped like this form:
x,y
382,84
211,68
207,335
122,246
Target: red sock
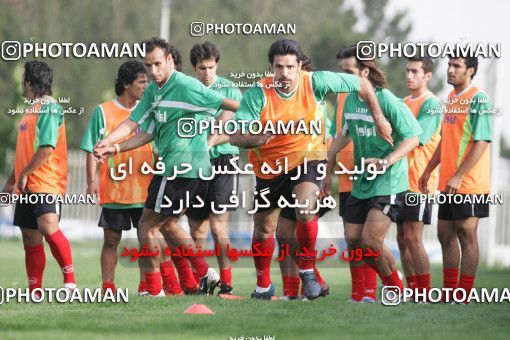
x,y
61,250
226,276
357,282
423,281
199,265
370,281
291,285
35,261
375,269
108,286
318,276
411,282
450,280
195,275
185,273
263,263
170,281
306,234
393,280
142,286
466,283
154,285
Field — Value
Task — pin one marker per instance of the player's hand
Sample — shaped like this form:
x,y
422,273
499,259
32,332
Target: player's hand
x,y
383,128
266,138
453,184
423,181
326,186
103,151
99,150
92,189
22,182
377,162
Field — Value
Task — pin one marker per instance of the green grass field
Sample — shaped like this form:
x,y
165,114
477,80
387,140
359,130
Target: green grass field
x,y
327,318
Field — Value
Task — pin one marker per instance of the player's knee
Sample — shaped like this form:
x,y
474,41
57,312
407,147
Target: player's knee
x,y
445,237
352,241
111,242
263,235
198,234
305,218
467,237
412,240
370,242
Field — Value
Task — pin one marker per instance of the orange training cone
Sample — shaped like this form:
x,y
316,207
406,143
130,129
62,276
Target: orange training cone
x,y
198,309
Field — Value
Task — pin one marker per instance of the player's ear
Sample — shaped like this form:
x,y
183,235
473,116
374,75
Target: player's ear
x,y
470,71
170,58
428,76
365,72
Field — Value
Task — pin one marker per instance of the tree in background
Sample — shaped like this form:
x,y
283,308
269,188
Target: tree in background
x,y
322,28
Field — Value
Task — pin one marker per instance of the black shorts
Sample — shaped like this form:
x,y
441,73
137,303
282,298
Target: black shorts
x,y
343,197
357,209
172,198
120,219
26,214
420,212
282,186
219,189
459,211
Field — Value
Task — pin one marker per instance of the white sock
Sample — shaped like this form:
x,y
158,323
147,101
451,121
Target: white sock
x,y
261,289
305,270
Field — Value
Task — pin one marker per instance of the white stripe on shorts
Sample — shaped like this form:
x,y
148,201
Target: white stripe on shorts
x,y
159,199
392,199
422,211
386,209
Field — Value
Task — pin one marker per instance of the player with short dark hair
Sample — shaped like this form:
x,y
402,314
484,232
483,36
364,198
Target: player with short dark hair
x,y
40,169
411,219
170,96
464,155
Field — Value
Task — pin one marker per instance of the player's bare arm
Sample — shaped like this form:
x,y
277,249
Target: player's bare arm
x,y
434,162
122,131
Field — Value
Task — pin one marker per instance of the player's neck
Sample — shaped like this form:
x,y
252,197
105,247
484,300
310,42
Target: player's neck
x,y
127,101
163,82
418,92
288,90
461,87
